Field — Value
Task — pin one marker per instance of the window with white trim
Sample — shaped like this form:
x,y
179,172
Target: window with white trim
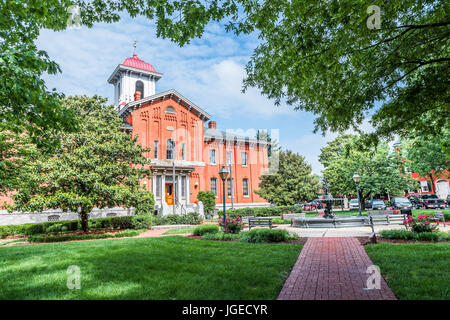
x,y
244,158
245,187
212,156
214,186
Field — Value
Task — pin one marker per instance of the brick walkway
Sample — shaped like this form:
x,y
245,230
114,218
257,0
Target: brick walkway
x,y
332,269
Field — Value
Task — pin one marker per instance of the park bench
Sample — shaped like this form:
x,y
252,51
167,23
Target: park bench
x,y
438,216
385,217
291,216
337,222
259,221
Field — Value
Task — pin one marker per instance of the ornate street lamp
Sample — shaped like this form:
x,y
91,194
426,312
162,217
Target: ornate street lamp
x,y
357,178
223,173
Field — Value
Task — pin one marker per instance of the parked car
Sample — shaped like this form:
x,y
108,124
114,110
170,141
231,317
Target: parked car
x,y
353,204
375,204
401,203
432,201
447,202
415,201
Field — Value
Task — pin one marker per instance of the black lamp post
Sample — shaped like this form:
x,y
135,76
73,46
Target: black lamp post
x,y
223,173
357,178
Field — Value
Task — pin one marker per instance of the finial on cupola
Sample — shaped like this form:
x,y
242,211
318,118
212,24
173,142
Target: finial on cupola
x,y
134,45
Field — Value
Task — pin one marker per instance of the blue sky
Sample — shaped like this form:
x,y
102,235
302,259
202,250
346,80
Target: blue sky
x,y
208,71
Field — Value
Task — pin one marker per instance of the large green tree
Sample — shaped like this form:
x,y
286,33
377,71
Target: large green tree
x,y
319,56
379,168
426,156
97,166
292,183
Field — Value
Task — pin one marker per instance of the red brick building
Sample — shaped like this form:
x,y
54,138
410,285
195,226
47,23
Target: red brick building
x,y
187,149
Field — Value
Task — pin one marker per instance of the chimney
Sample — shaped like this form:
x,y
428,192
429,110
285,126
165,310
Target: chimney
x,y
212,125
137,95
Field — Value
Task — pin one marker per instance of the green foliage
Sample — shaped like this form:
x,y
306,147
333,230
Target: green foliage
x,y
143,221
125,222
411,235
280,221
426,155
221,236
189,218
209,201
90,168
262,211
231,224
206,228
403,64
378,167
261,235
43,238
292,183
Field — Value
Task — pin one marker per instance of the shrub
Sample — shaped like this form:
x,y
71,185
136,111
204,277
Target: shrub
x,y
231,225
411,235
266,235
43,238
125,222
421,223
189,218
221,236
262,211
208,198
280,221
54,228
143,221
206,228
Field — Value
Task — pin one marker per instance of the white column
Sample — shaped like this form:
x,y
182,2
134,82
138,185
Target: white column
x,y
188,190
163,188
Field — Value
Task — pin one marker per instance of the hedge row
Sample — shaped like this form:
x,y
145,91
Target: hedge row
x,y
189,218
141,221
259,235
411,235
262,211
44,238
125,222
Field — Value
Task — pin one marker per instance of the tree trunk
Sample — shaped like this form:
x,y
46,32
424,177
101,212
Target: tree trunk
x,y
84,220
432,182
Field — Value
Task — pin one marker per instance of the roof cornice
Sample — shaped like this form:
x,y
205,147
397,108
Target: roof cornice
x,y
131,106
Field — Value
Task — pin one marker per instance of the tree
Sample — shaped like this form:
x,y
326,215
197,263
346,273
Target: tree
x,y
208,198
335,149
378,167
403,63
426,156
291,184
97,166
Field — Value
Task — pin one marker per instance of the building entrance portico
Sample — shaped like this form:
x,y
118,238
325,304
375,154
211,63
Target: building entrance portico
x,y
171,186
169,193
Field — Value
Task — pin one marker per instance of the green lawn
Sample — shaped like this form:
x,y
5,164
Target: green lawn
x,y
147,268
414,271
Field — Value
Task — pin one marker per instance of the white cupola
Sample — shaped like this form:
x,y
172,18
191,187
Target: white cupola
x,y
133,75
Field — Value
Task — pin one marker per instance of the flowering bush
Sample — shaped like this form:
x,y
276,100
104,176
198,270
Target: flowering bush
x,y
231,225
420,224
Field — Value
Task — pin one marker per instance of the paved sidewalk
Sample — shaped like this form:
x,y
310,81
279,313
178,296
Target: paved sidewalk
x,y
332,269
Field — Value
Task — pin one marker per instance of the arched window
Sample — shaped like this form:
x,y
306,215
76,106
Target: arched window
x,y
140,87
170,110
170,148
